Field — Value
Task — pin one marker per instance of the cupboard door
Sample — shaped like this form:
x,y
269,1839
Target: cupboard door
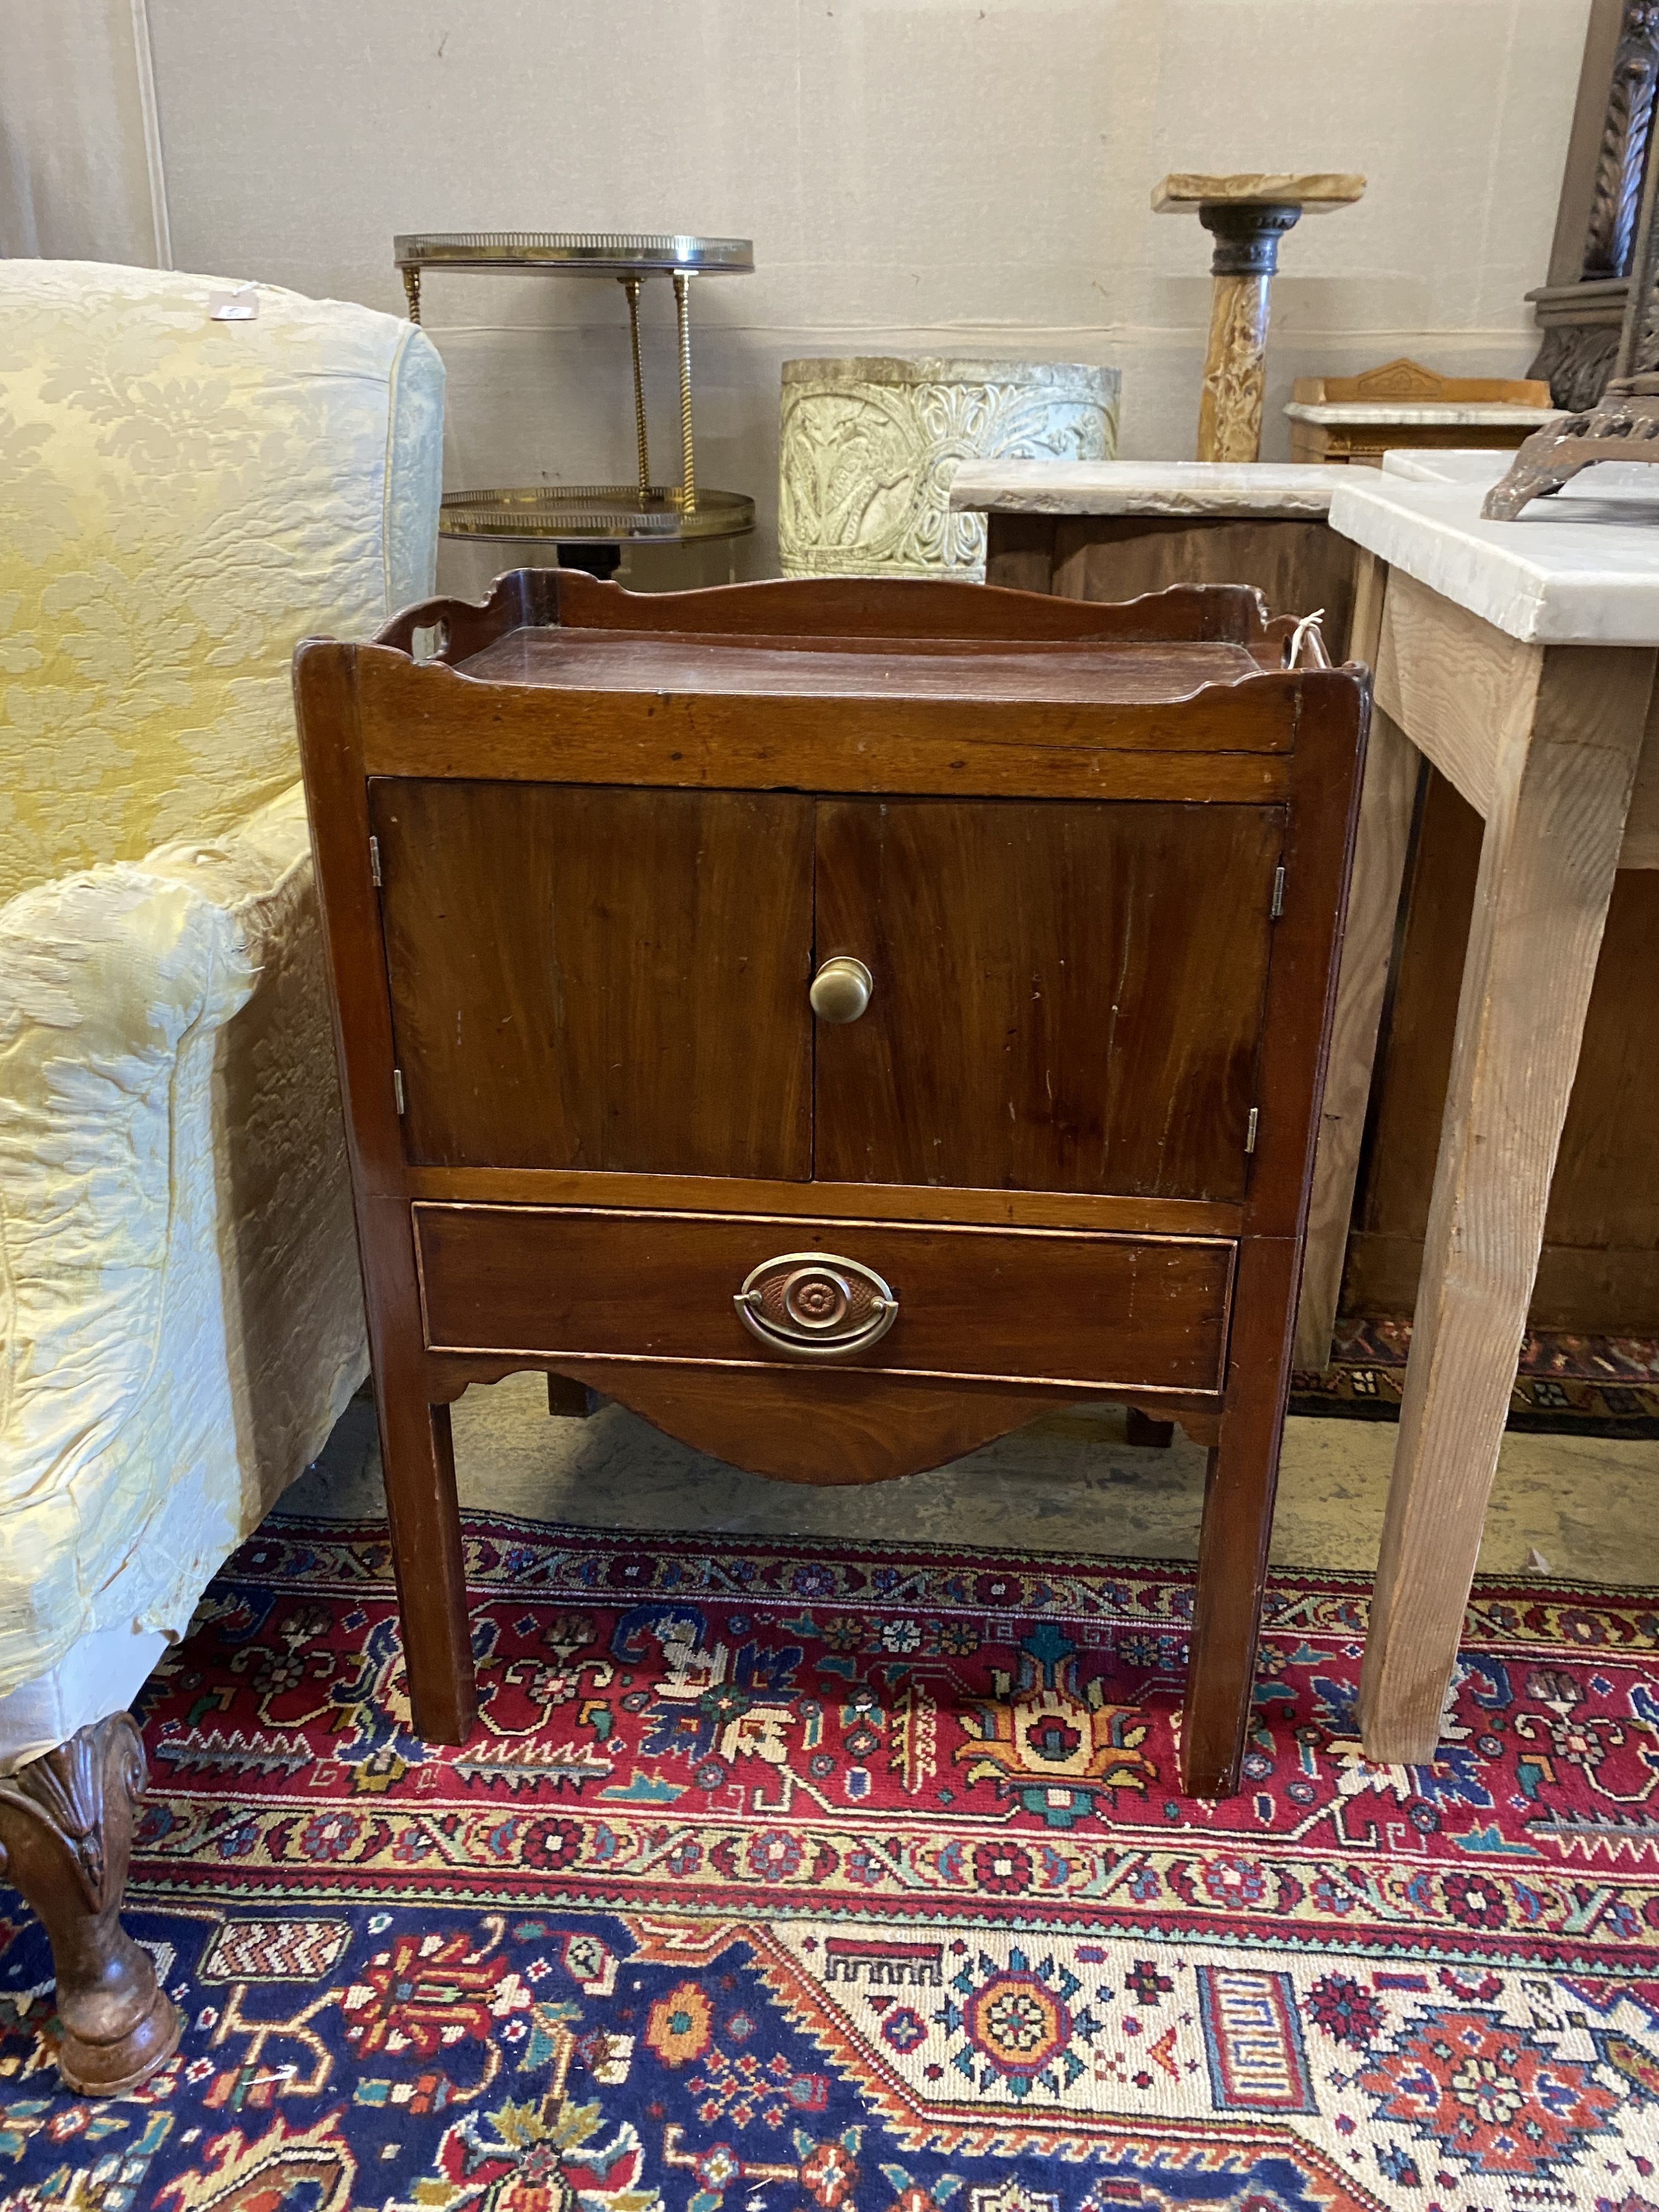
x,y
1064,996
584,977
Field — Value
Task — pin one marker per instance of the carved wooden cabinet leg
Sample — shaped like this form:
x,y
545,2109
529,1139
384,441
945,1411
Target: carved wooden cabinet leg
x,y
65,1834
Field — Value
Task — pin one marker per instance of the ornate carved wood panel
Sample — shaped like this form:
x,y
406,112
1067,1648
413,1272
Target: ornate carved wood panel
x,y
1581,308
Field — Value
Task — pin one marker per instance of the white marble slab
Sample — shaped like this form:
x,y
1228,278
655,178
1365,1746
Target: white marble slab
x,y
1579,568
1443,414
1238,488
1186,190
1479,465
1456,465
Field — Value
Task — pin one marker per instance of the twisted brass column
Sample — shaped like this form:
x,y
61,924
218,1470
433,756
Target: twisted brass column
x,y
631,286
687,466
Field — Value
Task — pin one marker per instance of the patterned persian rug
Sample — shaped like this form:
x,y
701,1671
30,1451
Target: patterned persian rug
x,y
789,1878
1564,1384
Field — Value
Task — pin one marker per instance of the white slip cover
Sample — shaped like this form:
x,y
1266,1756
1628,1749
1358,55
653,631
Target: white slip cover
x,y
182,499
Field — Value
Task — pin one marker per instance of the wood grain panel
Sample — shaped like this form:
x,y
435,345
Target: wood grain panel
x,y
1014,674
975,615
1601,1232
1019,551
1004,1305
1297,562
599,979
1416,1059
855,1201
1581,1289
1641,846
1547,858
415,1440
428,720
1065,997
847,608
1461,690
1393,767
830,1427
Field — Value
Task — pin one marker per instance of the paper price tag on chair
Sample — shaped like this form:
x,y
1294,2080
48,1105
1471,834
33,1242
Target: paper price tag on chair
x,y
240,306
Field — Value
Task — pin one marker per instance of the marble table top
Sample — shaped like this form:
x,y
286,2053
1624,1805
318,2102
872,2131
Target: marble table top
x,y
1450,414
1452,465
1185,190
1579,568
1241,488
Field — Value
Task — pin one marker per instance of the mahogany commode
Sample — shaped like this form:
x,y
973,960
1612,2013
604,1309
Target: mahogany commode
x,y
835,1020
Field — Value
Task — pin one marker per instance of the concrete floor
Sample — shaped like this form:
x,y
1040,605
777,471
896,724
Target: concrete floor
x,y
1069,1482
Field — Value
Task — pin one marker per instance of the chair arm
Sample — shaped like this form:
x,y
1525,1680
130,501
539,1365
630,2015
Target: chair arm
x,y
115,984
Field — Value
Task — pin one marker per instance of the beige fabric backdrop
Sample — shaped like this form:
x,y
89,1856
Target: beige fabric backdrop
x,y
919,176
80,144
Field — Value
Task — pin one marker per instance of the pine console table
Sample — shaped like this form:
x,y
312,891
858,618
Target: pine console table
x,y
1519,658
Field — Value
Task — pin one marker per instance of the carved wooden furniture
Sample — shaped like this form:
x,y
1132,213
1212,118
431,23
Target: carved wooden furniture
x,y
181,1321
1358,419
835,1019
66,1825
1521,663
1610,156
1246,216
1623,425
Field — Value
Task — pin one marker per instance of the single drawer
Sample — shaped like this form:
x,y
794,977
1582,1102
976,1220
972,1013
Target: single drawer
x,y
1028,1305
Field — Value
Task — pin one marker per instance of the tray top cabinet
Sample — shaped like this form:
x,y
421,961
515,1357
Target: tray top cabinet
x,y
832,1018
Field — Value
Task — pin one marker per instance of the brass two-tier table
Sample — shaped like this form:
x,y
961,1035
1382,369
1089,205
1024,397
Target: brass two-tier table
x,y
594,515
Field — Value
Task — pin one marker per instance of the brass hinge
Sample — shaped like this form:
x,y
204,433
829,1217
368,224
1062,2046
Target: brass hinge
x,y
1250,1129
398,1093
1274,911
374,863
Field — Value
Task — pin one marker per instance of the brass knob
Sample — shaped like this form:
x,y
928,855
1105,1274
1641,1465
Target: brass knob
x,y
840,990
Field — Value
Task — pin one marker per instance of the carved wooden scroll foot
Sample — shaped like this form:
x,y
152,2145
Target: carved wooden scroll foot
x,y
1624,425
65,1835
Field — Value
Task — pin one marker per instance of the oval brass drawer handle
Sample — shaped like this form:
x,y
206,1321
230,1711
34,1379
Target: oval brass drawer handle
x,y
840,989
816,1305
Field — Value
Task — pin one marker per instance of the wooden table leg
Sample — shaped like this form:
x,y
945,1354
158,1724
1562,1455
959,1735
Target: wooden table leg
x,y
1560,795
1392,765
1239,1484
417,1458
417,1461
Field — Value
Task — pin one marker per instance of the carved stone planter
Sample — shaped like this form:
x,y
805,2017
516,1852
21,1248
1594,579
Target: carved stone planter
x,y
869,446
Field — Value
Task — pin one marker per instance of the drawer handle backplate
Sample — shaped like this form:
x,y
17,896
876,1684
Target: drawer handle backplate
x,y
816,1305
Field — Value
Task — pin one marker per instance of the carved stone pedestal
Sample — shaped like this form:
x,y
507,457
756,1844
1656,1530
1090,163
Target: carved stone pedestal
x,y
1246,216
868,447
65,1837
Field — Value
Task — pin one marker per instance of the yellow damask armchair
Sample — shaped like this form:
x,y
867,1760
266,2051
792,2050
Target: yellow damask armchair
x,y
181,500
